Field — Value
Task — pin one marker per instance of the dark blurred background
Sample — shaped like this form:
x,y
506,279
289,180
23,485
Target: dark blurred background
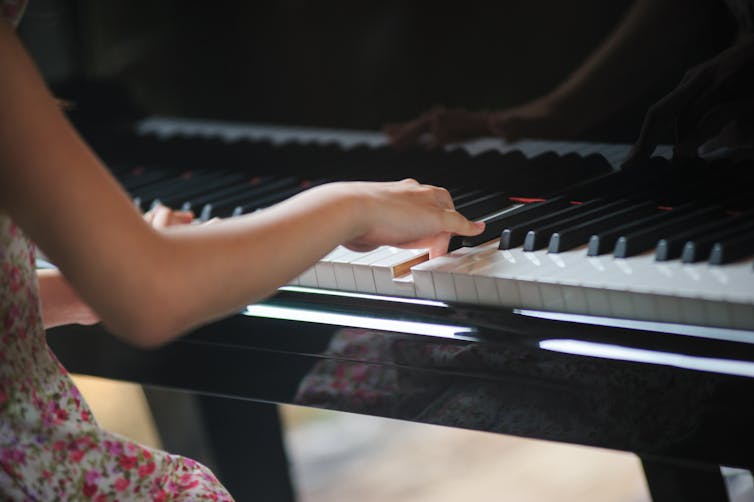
x,y
334,63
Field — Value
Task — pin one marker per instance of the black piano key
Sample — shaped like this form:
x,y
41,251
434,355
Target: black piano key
x,y
700,248
170,187
650,237
145,178
732,249
578,235
183,198
514,235
604,242
220,193
224,207
671,247
496,224
539,236
275,197
466,194
180,184
484,205
145,191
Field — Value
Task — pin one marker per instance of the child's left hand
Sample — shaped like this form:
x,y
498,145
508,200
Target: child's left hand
x,y
60,302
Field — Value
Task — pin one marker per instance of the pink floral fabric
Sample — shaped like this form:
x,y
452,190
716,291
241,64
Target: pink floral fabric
x,y
51,448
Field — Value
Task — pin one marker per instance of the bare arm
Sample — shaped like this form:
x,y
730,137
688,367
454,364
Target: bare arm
x,y
650,38
149,286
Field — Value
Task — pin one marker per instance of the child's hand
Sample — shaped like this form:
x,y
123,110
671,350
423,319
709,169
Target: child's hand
x,y
541,118
404,214
437,127
60,302
710,98
162,217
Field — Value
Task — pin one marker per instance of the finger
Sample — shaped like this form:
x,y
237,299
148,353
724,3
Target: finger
x,y
439,245
149,216
710,125
439,129
409,133
161,217
663,112
455,223
181,217
718,117
507,128
359,248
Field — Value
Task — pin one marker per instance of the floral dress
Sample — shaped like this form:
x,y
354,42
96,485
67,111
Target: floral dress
x,y
51,448
50,445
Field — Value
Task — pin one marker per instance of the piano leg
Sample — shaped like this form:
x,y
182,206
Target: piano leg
x,y
241,441
670,481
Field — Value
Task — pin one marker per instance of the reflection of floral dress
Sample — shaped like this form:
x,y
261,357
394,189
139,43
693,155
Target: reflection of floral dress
x,y
50,446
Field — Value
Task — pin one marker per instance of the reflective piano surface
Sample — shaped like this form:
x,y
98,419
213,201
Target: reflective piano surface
x,y
676,392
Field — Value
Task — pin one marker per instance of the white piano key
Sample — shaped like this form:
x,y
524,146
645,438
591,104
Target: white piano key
x,y
528,279
562,284
718,313
552,292
362,270
441,278
645,306
445,288
385,271
475,259
423,283
484,283
324,269
574,299
742,315
344,275
308,278
507,271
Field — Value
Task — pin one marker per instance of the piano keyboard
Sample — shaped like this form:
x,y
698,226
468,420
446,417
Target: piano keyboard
x,y
566,231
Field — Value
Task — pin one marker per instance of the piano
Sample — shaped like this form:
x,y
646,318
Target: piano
x,y
601,307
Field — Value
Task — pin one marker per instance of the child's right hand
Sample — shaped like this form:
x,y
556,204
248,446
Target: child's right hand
x,y
403,214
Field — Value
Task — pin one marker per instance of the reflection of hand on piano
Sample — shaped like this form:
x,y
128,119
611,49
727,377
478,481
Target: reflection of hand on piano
x,y
437,127
545,117
713,98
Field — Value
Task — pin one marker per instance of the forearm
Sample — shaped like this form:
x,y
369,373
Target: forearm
x,y
649,40
149,303
144,284
205,272
149,286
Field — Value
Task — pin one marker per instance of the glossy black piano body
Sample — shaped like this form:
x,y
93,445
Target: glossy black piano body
x,y
677,395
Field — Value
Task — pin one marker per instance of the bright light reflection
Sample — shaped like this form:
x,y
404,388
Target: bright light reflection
x,y
733,335
330,292
609,351
355,321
